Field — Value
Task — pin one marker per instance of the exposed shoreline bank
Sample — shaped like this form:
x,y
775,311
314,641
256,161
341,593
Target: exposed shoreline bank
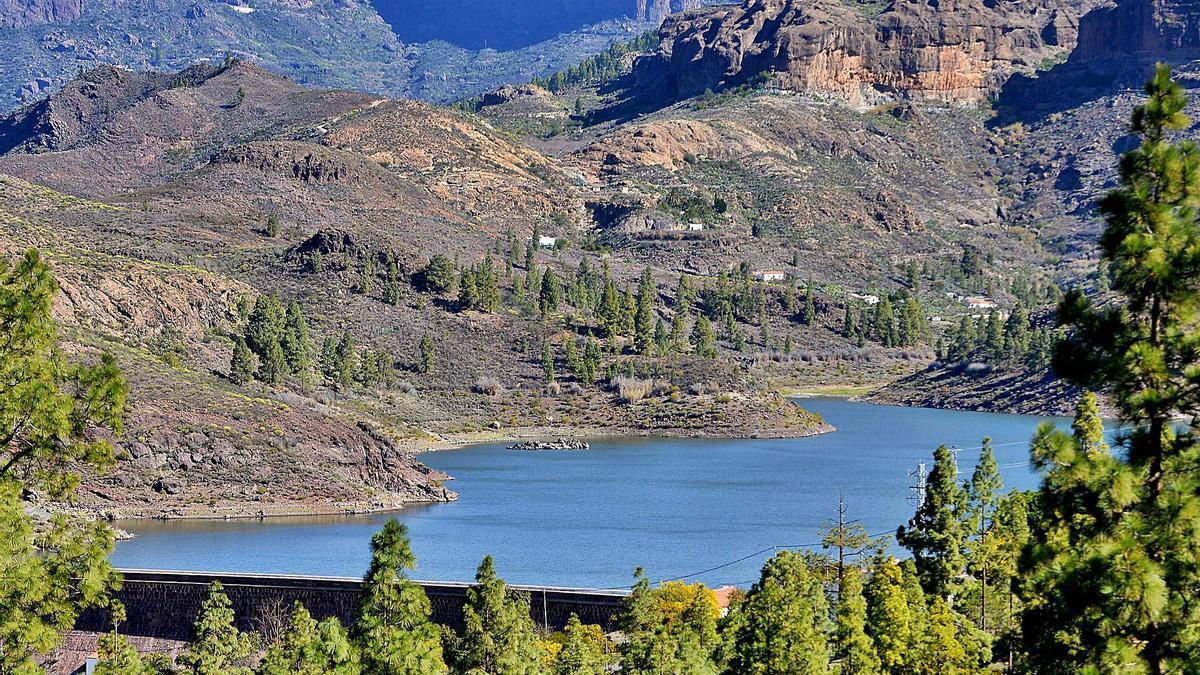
x,y
259,511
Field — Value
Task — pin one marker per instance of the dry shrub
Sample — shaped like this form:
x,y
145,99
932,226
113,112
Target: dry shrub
x,y
631,388
978,368
553,389
405,387
290,398
488,386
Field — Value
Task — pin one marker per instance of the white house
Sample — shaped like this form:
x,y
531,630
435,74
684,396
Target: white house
x,y
695,227
979,302
866,299
772,275
547,242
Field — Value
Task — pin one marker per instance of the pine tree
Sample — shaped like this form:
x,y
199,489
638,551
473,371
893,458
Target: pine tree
x,y
644,314
574,358
993,337
1114,584
392,290
671,629
273,364
551,293
810,309
1088,427
885,329
852,646
243,363
497,635
488,285
583,650
685,295
935,534
628,312
265,325
468,289
609,311
912,323
848,537
428,355
1016,334
309,648
591,360
662,339
116,656
218,647
787,625
367,277
532,248
703,338
983,496
440,275
890,621
393,631
296,344
949,648
640,621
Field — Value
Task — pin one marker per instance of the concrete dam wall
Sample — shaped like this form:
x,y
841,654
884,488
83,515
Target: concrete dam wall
x,y
163,604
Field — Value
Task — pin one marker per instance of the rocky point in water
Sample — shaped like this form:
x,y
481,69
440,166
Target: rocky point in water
x,y
559,444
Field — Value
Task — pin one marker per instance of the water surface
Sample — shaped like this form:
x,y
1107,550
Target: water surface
x,y
588,518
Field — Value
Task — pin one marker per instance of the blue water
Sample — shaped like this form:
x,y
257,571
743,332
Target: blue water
x,y
588,518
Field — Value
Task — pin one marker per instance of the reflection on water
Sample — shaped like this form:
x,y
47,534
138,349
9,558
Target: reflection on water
x,y
587,518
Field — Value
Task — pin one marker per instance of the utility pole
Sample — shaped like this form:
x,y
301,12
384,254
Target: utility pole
x,y
918,490
954,458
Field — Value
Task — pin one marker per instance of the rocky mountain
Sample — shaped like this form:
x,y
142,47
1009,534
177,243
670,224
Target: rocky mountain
x,y
506,25
24,13
957,51
169,201
152,197
347,44
394,47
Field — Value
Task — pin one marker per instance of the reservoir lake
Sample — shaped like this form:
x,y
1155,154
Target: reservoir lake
x,y
706,510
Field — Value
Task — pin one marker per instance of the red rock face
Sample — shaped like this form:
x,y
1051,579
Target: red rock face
x,y
953,51
21,13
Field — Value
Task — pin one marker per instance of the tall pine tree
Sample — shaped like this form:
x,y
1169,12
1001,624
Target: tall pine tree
x,y
393,631
1117,582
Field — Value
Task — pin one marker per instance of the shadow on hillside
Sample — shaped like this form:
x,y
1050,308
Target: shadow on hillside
x,y
1026,99
632,100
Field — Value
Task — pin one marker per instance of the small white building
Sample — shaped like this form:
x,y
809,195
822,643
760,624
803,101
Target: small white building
x,y
772,275
866,299
979,302
547,242
695,227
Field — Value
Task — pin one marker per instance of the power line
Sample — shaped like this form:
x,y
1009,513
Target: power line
x,y
1002,445
744,558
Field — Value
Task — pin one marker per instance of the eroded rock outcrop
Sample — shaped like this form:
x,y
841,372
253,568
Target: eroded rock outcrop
x,y
951,51
21,13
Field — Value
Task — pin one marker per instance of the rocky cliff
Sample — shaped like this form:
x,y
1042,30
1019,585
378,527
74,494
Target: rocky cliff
x,y
956,51
22,13
1143,29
